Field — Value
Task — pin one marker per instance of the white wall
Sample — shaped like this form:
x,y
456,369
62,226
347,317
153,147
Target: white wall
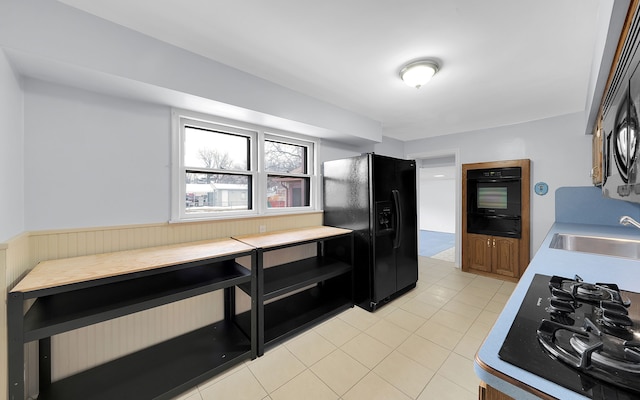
x,y
93,160
52,41
559,151
334,151
99,160
437,203
59,36
12,209
389,147
331,150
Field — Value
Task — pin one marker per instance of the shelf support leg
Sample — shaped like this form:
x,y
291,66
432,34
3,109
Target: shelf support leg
x,y
44,366
259,298
229,303
254,307
15,354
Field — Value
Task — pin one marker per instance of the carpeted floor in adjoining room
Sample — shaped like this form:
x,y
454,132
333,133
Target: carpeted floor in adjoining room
x,y
436,244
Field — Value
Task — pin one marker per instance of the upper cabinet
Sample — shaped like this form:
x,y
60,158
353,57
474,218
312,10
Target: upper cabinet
x,y
597,154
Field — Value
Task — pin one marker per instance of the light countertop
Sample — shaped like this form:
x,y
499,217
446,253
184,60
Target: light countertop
x,y
66,271
591,267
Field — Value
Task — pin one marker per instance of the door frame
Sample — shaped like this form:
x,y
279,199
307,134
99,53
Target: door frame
x,y
455,152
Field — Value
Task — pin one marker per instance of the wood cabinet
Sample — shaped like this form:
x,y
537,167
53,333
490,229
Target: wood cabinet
x,y
597,156
493,254
500,256
486,392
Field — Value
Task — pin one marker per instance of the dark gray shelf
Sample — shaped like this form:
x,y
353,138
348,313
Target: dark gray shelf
x,y
65,311
286,317
158,372
291,315
286,278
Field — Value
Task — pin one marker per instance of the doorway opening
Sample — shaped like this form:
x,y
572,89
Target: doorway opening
x,y
438,199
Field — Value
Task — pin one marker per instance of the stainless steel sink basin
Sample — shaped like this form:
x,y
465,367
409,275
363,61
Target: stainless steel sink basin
x,y
597,245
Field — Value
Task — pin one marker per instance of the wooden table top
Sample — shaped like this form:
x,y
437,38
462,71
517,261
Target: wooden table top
x,y
52,273
291,236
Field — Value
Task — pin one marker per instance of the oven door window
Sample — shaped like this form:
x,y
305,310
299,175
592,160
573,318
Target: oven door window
x,y
496,198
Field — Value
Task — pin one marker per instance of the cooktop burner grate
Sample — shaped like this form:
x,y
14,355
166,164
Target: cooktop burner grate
x,y
583,336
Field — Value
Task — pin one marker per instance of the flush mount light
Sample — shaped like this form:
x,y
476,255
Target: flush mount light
x,y
418,73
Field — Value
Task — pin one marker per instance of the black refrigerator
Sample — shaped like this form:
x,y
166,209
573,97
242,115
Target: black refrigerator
x,y
375,196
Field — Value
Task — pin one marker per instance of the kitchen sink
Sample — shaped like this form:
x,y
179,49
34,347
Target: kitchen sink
x,y
597,245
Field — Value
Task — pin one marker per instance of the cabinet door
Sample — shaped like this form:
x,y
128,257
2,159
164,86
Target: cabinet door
x,y
487,392
479,252
505,256
597,155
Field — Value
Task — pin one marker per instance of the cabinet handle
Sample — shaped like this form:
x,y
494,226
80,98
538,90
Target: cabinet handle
x,y
488,242
494,243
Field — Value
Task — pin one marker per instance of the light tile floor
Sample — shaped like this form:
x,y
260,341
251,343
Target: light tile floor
x,y
420,346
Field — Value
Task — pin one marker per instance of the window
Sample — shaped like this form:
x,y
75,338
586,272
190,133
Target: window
x,y
228,169
288,180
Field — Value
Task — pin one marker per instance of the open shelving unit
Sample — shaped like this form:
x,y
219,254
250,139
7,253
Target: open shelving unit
x,y
67,294
294,296
107,286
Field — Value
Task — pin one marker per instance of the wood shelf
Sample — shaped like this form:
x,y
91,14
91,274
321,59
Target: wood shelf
x,y
55,276
81,291
74,309
70,294
292,237
330,272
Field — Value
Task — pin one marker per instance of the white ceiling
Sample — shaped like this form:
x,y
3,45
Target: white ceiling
x,y
502,61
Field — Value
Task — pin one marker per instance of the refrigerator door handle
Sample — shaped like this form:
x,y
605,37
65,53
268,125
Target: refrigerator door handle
x,y
397,241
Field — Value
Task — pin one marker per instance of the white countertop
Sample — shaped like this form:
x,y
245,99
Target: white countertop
x,y
591,267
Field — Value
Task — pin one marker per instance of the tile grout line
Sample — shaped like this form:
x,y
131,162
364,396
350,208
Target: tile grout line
x,y
430,275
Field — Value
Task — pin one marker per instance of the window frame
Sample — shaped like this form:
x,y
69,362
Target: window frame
x,y
310,167
258,175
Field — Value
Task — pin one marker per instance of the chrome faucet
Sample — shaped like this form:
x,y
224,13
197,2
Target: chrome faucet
x,y
626,220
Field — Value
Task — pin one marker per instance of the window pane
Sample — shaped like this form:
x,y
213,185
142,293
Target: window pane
x,y
207,193
285,157
210,149
285,191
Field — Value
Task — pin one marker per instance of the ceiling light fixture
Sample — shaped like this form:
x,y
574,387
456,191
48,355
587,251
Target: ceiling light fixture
x,y
418,73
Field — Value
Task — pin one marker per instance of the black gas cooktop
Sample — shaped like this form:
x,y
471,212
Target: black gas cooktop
x,y
583,336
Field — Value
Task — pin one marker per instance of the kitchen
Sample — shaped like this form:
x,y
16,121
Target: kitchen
x,y
47,116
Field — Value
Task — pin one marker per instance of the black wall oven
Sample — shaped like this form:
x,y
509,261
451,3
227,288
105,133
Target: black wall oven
x,y
494,201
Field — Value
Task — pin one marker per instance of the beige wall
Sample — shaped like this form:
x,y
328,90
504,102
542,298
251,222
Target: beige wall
x,y
89,346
